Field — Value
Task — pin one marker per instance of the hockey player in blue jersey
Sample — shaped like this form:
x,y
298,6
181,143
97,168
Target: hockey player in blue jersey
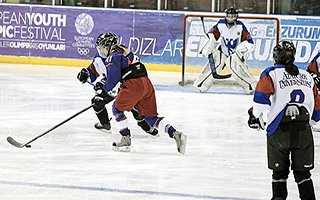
x,y
229,45
136,91
96,73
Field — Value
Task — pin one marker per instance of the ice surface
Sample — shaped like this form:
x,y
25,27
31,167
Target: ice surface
x,y
224,158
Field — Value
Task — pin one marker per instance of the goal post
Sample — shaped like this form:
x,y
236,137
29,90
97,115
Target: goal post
x,y
265,32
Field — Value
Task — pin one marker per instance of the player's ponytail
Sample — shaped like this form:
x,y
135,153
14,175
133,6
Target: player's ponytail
x,y
292,69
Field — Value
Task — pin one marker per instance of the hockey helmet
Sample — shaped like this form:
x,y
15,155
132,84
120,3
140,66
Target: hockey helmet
x,y
231,16
105,42
284,52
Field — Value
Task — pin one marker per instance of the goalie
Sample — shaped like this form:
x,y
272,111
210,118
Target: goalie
x,y
229,44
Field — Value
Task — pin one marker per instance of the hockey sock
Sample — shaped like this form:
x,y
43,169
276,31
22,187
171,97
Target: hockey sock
x,y
279,190
170,130
136,115
144,125
306,190
103,116
164,126
125,132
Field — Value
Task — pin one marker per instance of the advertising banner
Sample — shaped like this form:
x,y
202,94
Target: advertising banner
x,y
157,37
50,32
305,34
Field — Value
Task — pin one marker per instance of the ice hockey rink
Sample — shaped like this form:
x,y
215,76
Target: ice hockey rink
x,y
224,159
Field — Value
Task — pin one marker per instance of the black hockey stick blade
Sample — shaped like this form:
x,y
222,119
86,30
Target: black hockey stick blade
x,y
216,76
17,144
220,76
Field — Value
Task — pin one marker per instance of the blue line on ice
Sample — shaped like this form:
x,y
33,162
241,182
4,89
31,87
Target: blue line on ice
x,y
105,189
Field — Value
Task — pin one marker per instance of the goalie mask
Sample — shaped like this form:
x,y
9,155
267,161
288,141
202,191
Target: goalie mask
x,y
105,42
231,16
284,52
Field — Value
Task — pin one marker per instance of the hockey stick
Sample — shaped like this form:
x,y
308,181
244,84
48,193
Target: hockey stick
x,y
216,76
90,83
27,144
213,71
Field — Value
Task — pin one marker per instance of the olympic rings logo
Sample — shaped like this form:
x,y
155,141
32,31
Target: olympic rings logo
x,y
83,51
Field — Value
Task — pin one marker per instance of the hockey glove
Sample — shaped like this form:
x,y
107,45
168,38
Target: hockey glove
x,y
83,75
99,87
255,123
292,111
316,79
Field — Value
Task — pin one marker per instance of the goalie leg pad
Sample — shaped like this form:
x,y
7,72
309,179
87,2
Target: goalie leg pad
x,y
241,74
219,60
205,79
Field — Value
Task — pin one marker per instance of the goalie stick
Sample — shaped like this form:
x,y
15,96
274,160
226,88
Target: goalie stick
x,y
213,71
216,76
27,144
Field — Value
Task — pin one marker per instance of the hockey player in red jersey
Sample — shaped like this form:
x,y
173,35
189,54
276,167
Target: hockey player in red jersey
x,y
314,69
229,45
136,91
290,95
96,72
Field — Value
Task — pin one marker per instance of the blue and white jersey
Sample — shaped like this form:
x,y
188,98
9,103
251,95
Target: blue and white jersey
x,y
230,37
276,89
110,68
97,68
114,65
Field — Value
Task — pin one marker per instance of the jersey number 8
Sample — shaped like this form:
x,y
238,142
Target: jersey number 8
x,y
297,96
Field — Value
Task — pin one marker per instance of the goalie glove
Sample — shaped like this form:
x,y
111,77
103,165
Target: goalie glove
x,y
210,46
242,52
255,123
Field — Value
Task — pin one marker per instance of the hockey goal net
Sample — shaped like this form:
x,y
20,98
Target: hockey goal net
x,y
265,32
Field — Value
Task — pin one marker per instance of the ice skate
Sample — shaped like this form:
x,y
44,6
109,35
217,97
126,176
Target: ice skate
x,y
105,127
123,145
181,140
